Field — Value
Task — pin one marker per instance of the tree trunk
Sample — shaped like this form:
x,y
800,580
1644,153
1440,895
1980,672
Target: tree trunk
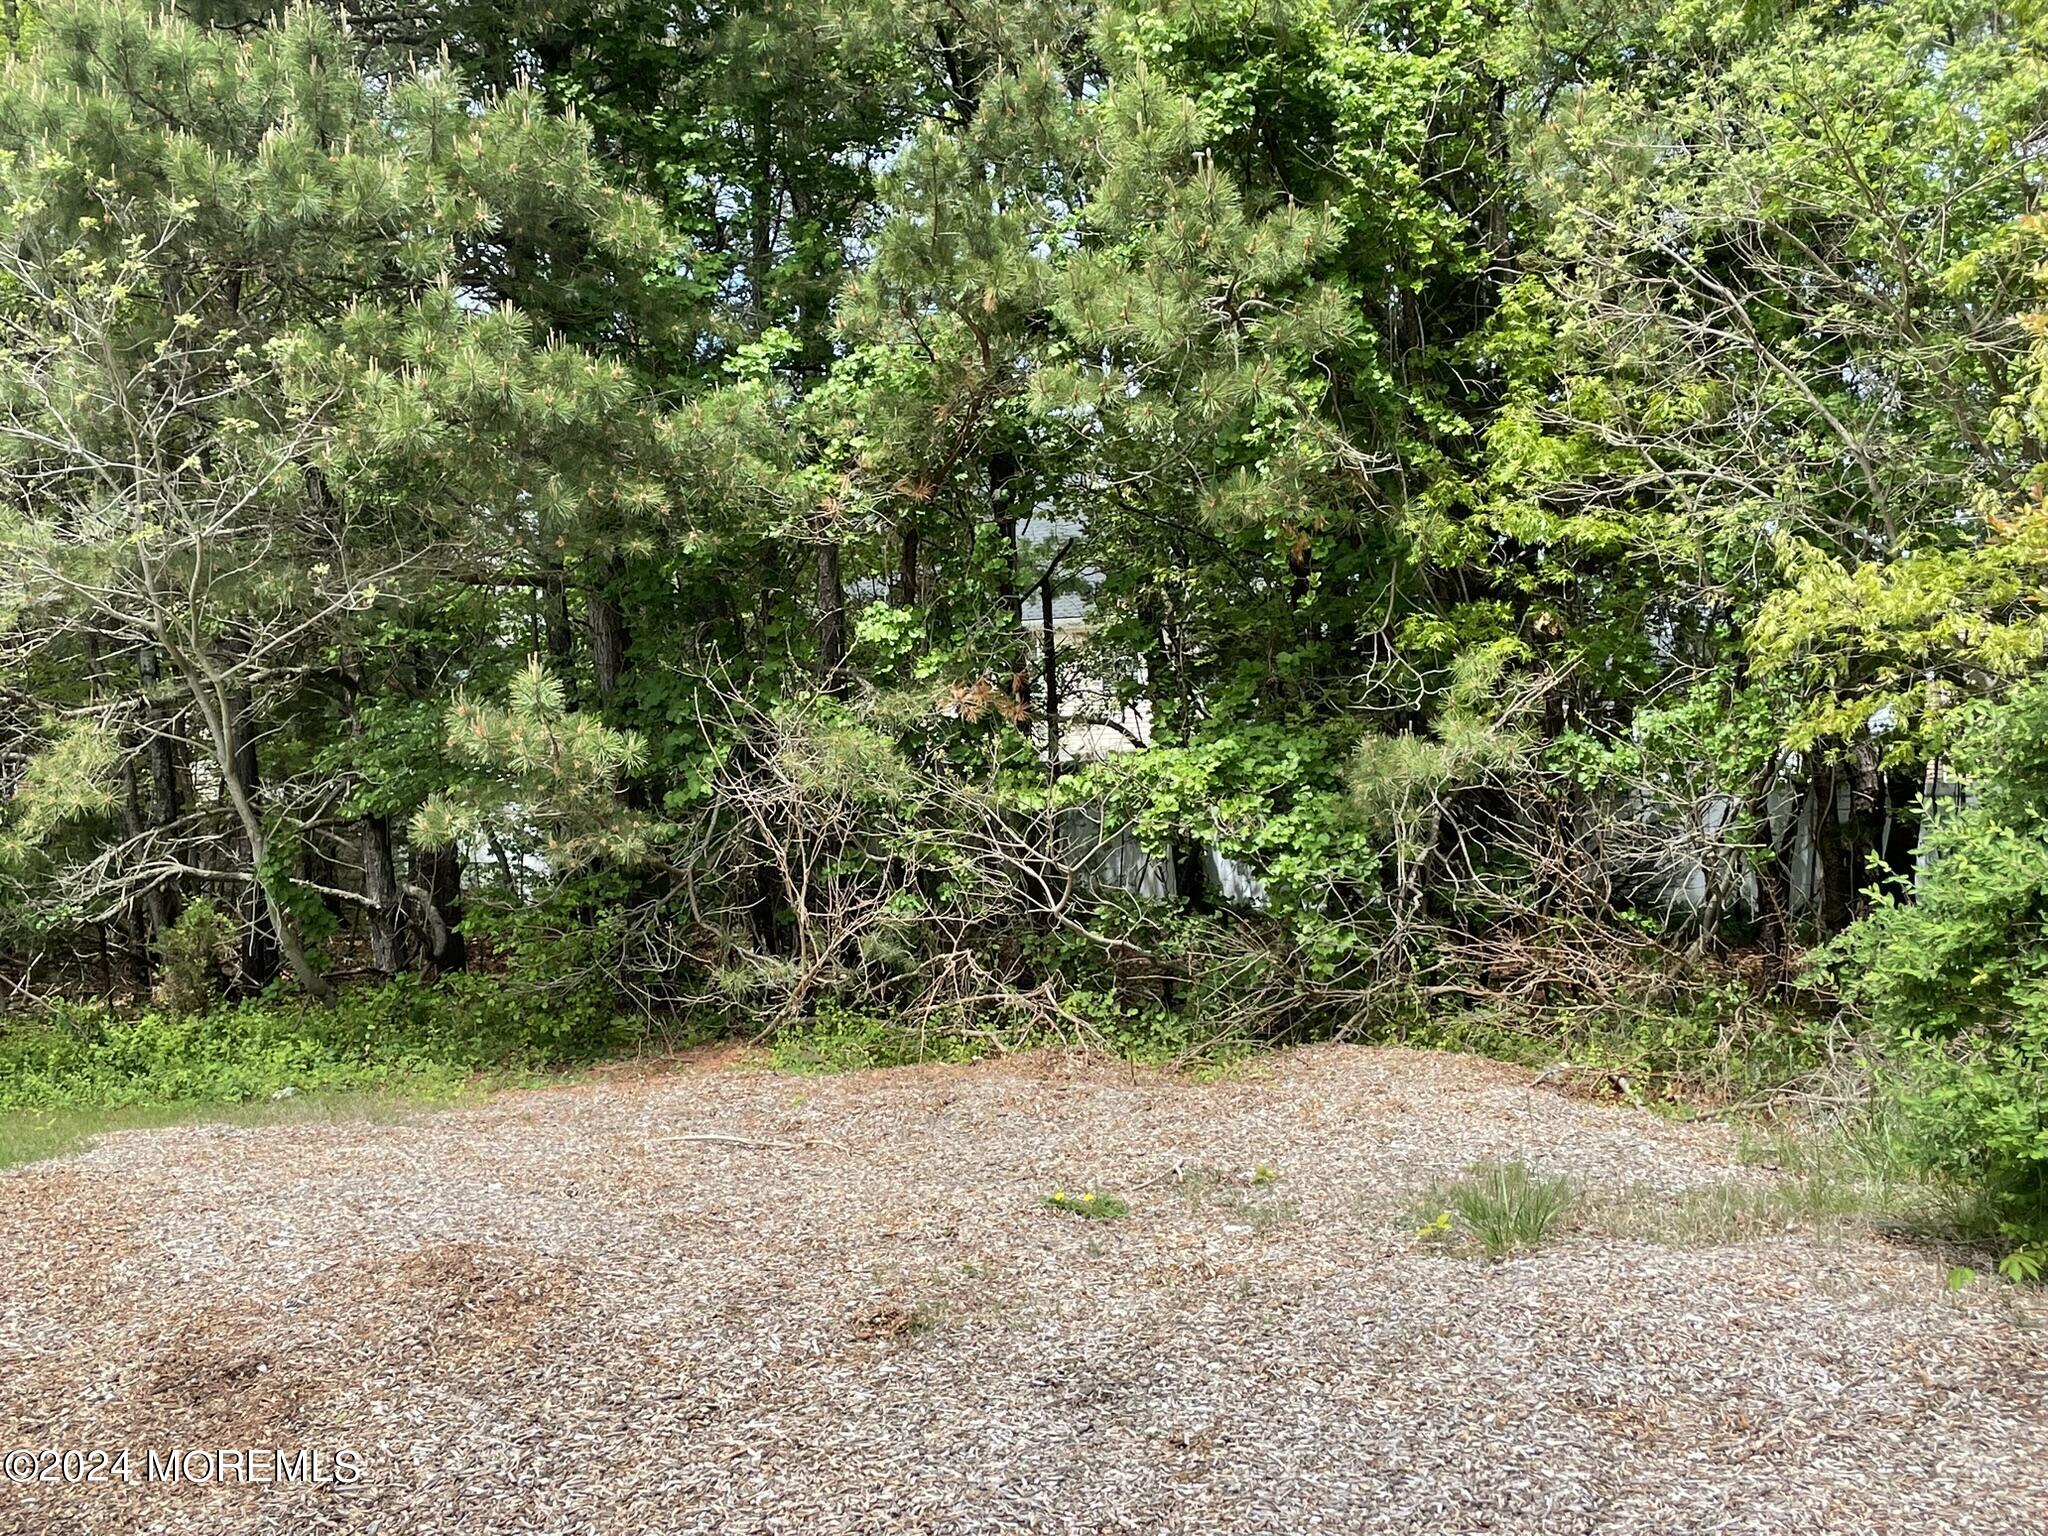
x,y
1003,474
760,214
243,777
1834,876
554,612
140,929
380,887
1191,874
831,621
440,872
905,584
1900,839
1049,669
134,925
608,636
166,787
268,928
1187,861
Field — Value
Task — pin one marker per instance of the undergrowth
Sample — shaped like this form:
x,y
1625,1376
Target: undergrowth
x,y
844,1041
426,1039
1723,1048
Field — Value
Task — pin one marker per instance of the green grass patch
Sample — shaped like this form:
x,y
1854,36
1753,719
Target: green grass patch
x,y
855,1042
34,1135
1737,1212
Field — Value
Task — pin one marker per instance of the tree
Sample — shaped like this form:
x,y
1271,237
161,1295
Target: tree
x,y
253,349
1765,333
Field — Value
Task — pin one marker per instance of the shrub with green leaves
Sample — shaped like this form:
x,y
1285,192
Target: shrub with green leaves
x,y
1957,979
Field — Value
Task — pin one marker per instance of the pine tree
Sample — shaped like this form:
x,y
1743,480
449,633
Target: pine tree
x,y
262,395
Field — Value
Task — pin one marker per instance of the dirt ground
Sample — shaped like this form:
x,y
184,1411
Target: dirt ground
x,y
726,1300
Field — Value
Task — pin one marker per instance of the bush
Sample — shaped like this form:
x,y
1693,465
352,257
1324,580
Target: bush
x,y
195,954
1956,981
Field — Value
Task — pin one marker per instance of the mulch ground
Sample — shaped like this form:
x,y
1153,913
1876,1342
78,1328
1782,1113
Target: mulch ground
x,y
726,1300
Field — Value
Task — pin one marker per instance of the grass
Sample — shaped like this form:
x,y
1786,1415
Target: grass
x,y
1852,1179
1734,1212
1502,1207
70,1072
1722,1049
35,1135
402,1036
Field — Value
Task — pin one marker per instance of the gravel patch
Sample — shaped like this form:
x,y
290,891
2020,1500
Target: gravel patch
x,y
727,1300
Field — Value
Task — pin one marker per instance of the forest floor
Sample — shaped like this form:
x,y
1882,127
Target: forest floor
x,y
721,1299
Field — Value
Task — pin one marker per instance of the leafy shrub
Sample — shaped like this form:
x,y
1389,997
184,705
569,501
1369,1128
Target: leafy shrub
x,y
1956,981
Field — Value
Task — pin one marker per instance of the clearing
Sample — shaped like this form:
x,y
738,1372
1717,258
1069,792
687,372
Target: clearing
x,y
728,1300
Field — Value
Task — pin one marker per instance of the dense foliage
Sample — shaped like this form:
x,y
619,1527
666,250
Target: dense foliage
x,y
1958,976
1142,518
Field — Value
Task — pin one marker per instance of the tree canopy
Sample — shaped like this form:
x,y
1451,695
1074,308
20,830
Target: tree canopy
x,y
1254,513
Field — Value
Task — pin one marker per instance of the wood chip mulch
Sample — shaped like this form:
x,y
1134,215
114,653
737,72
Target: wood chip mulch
x,y
726,1300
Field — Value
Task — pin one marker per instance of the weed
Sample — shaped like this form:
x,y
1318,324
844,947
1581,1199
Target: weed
x,y
1095,1205
1723,1047
402,1035
1734,1211
1439,1229
1503,1207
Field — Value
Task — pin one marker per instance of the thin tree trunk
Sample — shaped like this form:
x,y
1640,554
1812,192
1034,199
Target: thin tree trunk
x,y
140,928
905,584
1004,472
1901,835
262,938
1049,669
554,612
166,786
760,214
1834,876
831,621
269,928
1187,862
135,930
